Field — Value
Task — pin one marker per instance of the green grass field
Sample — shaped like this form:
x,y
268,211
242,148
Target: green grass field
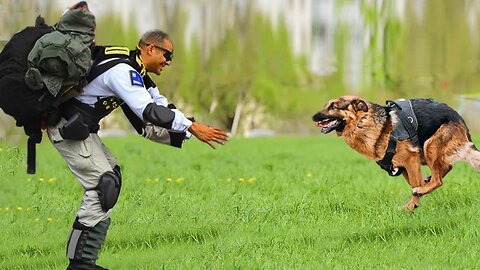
x,y
263,203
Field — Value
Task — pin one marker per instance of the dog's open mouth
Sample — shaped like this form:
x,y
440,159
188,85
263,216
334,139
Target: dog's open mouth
x,y
328,124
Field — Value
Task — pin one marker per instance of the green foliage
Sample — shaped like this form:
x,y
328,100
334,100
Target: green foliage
x,y
313,202
111,31
411,52
385,47
251,61
268,90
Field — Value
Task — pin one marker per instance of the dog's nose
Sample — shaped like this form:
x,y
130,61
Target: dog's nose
x,y
317,117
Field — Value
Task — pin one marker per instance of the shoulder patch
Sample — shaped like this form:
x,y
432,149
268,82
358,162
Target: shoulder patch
x,y
136,79
117,50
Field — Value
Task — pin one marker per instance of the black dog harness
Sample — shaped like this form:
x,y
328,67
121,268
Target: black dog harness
x,y
406,129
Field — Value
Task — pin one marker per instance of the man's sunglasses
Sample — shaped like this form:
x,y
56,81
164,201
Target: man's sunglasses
x,y
167,54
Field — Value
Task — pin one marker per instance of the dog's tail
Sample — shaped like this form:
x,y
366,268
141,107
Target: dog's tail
x,y
472,156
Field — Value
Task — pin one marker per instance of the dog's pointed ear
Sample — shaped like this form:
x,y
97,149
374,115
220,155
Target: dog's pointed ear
x,y
360,105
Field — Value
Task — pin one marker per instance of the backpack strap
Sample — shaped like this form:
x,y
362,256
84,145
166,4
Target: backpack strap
x,y
98,70
120,55
32,152
102,53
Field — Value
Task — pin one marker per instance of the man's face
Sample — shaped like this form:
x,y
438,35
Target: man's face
x,y
160,56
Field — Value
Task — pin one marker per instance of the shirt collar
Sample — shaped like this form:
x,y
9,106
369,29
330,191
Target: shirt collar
x,y
137,63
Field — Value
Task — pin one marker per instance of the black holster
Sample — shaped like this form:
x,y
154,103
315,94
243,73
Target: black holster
x,y
75,128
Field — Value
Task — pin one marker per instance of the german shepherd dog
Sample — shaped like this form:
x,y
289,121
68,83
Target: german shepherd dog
x,y
366,127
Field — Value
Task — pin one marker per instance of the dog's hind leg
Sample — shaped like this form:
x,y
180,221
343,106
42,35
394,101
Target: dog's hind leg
x,y
449,144
439,169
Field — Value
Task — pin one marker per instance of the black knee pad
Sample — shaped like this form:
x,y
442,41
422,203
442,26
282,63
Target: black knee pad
x,y
108,189
117,171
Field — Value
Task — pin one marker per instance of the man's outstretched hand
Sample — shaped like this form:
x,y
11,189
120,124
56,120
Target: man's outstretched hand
x,y
208,134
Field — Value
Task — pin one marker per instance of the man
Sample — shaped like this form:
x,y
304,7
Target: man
x,y
126,84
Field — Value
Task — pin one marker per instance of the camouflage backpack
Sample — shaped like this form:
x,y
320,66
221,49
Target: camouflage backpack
x,y
42,66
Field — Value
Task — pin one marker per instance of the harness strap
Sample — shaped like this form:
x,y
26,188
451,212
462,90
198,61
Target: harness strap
x,y
386,162
407,119
407,123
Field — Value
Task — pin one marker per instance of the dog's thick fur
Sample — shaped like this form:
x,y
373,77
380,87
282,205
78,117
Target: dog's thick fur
x,y
366,127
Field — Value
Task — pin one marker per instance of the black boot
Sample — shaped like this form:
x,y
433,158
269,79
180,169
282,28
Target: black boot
x,y
84,244
75,266
78,265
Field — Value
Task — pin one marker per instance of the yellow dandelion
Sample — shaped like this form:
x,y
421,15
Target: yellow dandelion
x,y
41,179
309,174
52,180
169,179
50,219
241,179
251,179
19,208
180,180
156,180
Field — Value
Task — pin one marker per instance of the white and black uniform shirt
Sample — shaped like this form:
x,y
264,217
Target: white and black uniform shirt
x,y
125,83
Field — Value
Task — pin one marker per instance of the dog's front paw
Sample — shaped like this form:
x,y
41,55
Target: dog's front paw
x,y
410,207
417,192
412,204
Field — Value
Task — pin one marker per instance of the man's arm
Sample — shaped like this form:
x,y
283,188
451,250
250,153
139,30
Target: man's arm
x,y
202,132
159,115
162,116
128,85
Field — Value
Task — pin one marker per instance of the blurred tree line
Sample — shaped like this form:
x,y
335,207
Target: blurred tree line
x,y
248,78
244,74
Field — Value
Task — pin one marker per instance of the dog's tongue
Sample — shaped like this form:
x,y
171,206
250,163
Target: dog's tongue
x,y
325,123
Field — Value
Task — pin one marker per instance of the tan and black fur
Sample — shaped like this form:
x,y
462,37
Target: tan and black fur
x,y
366,127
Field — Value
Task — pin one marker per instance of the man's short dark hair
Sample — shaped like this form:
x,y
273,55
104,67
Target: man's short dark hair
x,y
153,37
